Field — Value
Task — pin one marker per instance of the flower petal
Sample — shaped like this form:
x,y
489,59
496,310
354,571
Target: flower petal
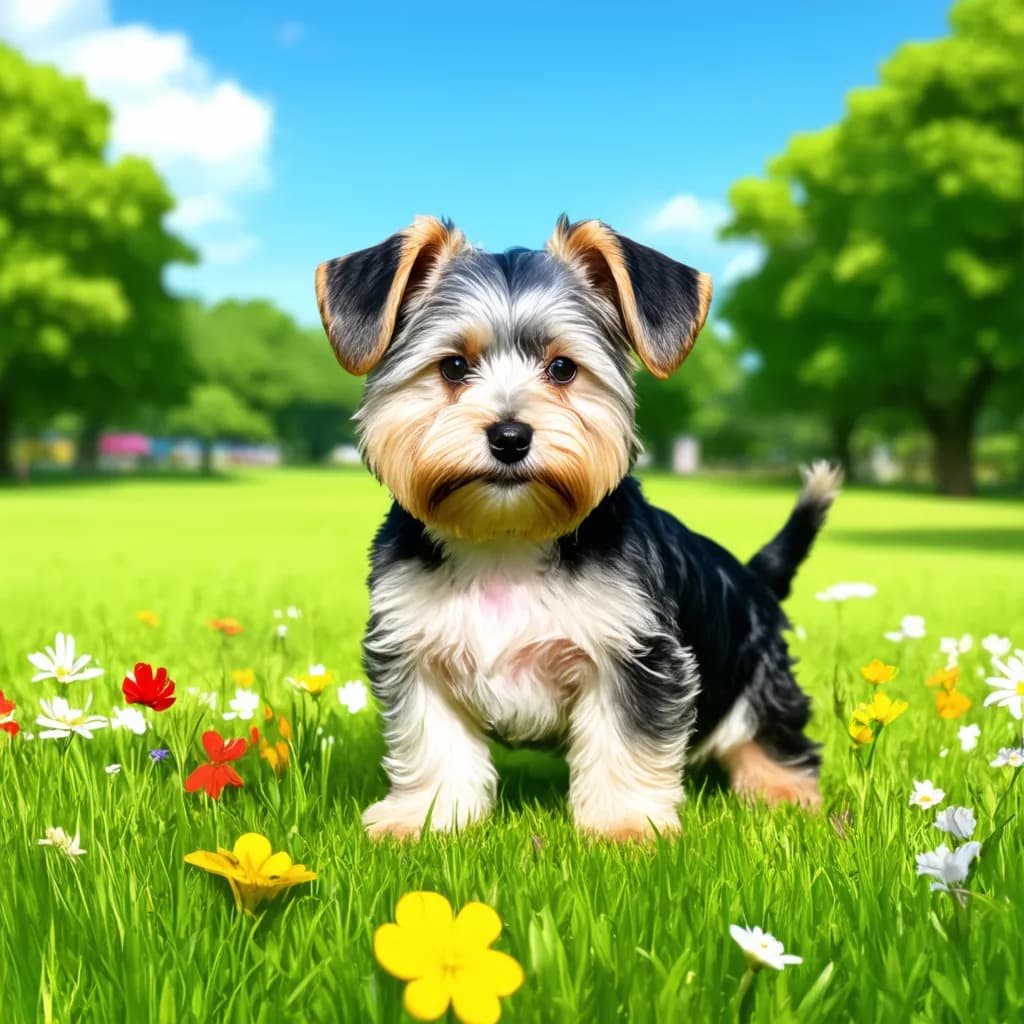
x,y
474,1000
424,911
215,863
276,865
401,953
253,851
503,972
477,925
426,998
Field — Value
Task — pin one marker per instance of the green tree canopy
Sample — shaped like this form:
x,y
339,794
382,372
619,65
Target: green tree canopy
x,y
87,323
894,242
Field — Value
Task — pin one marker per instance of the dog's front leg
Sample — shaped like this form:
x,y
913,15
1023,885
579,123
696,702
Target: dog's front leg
x,y
626,759
437,762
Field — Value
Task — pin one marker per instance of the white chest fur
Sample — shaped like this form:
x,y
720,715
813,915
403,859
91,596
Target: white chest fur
x,y
510,637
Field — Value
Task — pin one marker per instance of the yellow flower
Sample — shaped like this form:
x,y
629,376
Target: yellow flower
x,y
877,671
951,703
947,678
254,872
860,733
447,959
243,677
313,682
148,618
881,709
276,755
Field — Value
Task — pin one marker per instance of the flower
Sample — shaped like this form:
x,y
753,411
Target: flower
x,y
227,626
946,866
148,618
59,662
313,682
131,719
206,697
244,677
292,612
7,722
243,706
968,736
860,732
947,678
447,960
881,709
926,795
952,648
951,704
254,872
996,645
62,720
113,769
60,840
1009,685
281,631
277,754
213,777
353,695
159,754
1012,757
844,591
957,821
142,687
762,949
911,628
877,671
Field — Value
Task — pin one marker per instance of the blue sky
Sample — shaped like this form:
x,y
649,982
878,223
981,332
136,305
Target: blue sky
x,y
302,131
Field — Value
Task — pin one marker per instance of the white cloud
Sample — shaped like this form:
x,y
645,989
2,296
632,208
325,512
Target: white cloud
x,y
209,137
746,261
290,33
685,214
235,250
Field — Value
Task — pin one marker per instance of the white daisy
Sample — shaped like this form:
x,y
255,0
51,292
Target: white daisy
x,y
1009,685
131,719
968,736
113,769
353,695
947,866
59,662
997,646
281,631
762,949
844,591
957,821
292,612
61,720
1009,757
59,839
926,795
952,648
911,628
244,705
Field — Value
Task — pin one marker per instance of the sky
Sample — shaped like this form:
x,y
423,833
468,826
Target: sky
x,y
295,132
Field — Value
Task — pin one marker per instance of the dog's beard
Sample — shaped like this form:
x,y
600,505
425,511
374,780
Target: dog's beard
x,y
481,508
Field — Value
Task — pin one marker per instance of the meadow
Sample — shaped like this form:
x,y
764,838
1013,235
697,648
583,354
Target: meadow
x,y
130,932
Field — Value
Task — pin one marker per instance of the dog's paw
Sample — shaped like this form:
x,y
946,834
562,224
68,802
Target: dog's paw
x,y
404,818
633,830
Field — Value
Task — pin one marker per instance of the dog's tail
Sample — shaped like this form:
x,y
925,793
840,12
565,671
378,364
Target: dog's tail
x,y
777,562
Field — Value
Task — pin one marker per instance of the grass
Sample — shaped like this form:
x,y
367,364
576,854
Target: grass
x,y
130,932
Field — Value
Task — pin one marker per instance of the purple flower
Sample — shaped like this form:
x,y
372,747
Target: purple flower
x,y
158,755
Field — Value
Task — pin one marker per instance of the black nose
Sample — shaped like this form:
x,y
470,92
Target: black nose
x,y
509,440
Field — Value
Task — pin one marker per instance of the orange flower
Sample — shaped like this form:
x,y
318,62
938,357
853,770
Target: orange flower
x,y
228,626
278,754
951,703
947,678
860,733
876,671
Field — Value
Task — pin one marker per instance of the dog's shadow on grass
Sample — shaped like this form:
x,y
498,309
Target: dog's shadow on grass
x,y
531,777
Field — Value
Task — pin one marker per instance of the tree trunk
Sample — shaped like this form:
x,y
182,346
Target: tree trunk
x,y
87,449
952,454
842,433
6,436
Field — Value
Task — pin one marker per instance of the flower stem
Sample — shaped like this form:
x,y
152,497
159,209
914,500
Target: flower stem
x,y
1006,793
746,996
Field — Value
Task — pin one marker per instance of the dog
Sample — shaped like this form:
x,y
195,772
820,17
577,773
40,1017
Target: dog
x,y
521,587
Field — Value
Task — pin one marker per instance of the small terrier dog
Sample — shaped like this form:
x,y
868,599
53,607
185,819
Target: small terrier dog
x,y
521,586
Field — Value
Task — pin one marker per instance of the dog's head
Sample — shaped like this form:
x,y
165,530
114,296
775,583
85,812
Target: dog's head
x,y
499,401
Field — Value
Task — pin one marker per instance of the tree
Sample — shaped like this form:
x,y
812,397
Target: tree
x,y
215,412
893,271
86,323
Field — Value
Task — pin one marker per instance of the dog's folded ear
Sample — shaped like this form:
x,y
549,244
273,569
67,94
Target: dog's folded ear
x,y
361,295
663,304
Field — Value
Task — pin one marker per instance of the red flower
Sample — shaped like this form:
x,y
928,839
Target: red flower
x,y
213,777
156,692
6,711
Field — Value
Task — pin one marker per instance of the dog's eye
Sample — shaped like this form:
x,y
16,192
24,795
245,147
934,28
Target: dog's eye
x,y
454,369
561,370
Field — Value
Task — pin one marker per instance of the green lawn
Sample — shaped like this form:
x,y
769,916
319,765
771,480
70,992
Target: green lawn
x,y
130,932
